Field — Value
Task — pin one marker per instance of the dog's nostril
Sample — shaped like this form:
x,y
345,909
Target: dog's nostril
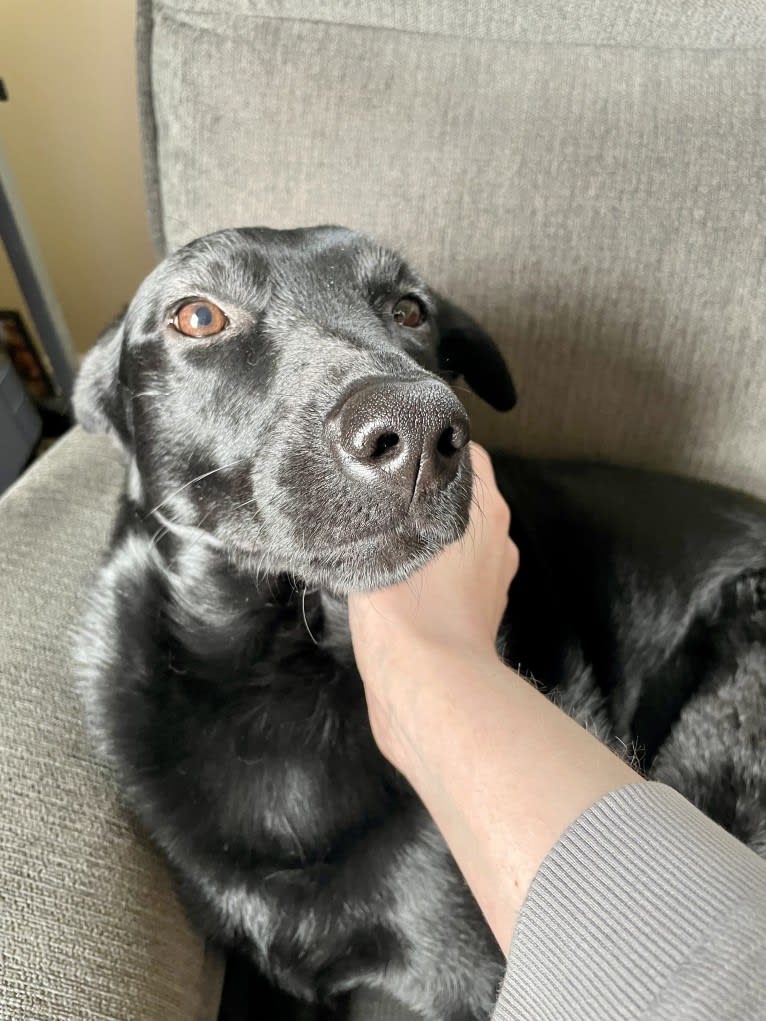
x,y
409,434
383,444
448,444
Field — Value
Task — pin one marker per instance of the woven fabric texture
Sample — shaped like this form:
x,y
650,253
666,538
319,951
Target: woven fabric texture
x,y
90,927
652,23
598,204
586,945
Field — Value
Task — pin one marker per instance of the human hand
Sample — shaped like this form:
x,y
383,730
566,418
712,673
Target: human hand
x,y
452,607
500,768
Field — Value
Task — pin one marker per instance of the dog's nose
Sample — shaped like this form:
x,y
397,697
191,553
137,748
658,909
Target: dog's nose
x,y
411,432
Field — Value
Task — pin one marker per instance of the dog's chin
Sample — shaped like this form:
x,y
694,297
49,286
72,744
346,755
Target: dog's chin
x,y
369,562
364,558
378,561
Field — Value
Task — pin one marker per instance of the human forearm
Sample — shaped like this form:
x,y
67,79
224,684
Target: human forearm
x,y
502,770
512,775
643,906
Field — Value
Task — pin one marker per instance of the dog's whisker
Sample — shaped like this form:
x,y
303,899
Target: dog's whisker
x,y
191,482
305,621
158,535
245,503
202,533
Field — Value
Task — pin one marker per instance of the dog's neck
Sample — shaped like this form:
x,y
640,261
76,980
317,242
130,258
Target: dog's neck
x,y
228,584
337,634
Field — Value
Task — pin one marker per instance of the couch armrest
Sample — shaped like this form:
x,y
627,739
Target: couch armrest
x,y
90,926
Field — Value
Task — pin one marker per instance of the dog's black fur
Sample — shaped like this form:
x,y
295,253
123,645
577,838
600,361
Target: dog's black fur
x,y
215,655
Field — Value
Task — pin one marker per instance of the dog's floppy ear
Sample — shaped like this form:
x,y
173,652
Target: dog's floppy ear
x,y
98,393
465,349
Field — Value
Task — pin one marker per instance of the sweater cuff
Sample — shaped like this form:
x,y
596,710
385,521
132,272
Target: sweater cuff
x,y
619,905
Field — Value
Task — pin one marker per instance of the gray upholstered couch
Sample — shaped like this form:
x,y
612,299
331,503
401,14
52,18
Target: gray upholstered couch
x,y
586,177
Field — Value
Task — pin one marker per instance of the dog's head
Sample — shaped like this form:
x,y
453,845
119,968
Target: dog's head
x,y
284,392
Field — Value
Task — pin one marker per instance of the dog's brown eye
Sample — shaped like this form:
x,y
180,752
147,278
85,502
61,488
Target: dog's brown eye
x,y
409,312
199,319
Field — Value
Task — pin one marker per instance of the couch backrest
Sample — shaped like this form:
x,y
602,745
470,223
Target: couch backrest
x,y
585,178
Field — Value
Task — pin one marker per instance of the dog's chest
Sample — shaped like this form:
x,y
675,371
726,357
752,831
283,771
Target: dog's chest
x,y
294,762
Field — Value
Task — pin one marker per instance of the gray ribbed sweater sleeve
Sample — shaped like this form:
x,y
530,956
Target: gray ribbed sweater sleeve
x,y
643,909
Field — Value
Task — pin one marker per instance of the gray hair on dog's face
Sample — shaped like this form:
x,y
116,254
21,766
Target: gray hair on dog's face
x,y
227,433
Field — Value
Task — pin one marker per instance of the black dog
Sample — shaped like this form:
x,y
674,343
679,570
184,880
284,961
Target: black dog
x,y
280,397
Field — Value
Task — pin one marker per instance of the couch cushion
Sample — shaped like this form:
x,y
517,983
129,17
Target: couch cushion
x,y
90,927
586,178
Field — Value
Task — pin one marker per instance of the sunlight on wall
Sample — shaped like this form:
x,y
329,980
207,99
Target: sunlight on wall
x,y
70,131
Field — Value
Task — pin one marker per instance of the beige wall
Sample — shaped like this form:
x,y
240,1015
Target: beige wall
x,y
70,132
